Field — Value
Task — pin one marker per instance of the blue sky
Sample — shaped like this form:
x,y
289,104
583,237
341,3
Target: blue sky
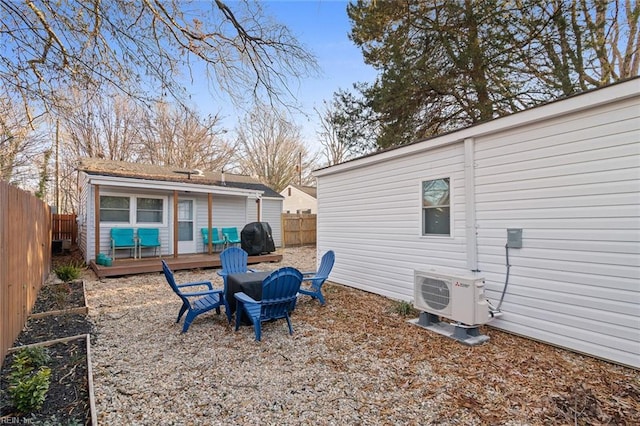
x,y
322,26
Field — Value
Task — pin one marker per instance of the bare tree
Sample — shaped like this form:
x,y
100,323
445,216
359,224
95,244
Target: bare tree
x,y
334,148
19,144
68,199
345,128
146,49
179,137
579,44
105,127
271,149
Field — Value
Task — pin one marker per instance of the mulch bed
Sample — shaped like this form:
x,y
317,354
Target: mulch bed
x,y
60,296
53,327
67,400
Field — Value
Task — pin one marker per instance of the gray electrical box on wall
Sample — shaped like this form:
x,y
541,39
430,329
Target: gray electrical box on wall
x,y
514,237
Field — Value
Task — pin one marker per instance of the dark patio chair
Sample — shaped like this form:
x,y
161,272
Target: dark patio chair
x,y
279,295
194,303
316,279
234,261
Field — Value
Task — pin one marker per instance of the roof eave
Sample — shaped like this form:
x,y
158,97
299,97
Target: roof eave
x,y
124,182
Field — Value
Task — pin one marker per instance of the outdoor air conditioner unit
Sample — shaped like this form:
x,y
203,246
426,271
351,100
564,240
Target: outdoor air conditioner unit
x,y
458,296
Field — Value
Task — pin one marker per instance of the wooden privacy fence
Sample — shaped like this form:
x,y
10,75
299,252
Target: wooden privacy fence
x,y
65,227
298,229
25,258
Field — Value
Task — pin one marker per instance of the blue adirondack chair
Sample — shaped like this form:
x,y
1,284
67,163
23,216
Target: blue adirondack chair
x,y
215,241
194,303
122,238
149,238
231,235
279,294
316,279
234,261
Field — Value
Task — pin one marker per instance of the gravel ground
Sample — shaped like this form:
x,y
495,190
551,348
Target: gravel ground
x,y
355,361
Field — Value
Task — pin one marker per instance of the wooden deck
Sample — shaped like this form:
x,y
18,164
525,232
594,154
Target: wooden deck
x,y
122,267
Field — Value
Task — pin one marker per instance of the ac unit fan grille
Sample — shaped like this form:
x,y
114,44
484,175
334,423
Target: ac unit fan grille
x,y
435,293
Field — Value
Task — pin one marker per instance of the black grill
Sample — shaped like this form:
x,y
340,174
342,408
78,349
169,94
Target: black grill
x,y
256,238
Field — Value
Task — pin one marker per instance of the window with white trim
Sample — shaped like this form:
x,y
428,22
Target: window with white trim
x,y
436,208
132,210
149,210
114,209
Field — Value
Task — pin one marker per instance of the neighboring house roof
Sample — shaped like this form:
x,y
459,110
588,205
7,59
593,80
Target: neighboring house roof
x,y
102,167
309,190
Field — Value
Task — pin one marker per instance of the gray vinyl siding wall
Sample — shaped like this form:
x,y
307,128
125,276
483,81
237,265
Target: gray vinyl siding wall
x,y
227,212
571,181
166,238
272,213
83,215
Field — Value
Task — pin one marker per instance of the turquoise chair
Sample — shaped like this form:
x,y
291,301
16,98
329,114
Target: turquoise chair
x,y
123,238
316,279
279,295
215,241
231,235
193,303
149,238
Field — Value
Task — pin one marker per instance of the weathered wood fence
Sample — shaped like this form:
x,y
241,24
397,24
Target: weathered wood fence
x,y
65,227
298,229
25,258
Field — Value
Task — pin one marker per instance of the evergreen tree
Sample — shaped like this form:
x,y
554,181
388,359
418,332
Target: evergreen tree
x,y
449,64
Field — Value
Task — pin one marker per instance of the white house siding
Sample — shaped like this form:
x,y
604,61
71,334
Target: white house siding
x,y
372,218
573,185
272,213
568,176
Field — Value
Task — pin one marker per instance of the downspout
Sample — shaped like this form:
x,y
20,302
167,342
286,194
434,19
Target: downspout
x,y
259,208
471,228
96,220
175,224
210,222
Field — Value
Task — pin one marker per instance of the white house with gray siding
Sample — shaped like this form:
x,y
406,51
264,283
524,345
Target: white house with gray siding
x,y
567,173
151,195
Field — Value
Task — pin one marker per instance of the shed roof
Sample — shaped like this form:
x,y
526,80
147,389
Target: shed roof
x,y
102,167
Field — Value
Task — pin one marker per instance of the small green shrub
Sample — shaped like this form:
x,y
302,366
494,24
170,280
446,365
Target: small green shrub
x,y
35,356
29,379
68,272
404,308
